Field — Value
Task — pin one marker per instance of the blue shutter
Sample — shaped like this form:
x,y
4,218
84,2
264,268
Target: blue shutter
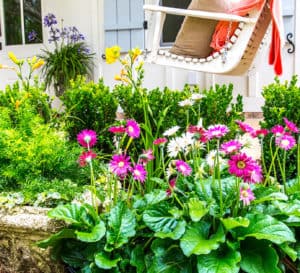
x,y
123,23
288,12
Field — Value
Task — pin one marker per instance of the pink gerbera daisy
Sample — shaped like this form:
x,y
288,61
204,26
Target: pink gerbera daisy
x,y
87,138
120,165
246,128
260,133
146,156
291,126
86,158
277,130
139,173
231,146
240,165
216,131
255,175
285,141
246,195
117,129
132,128
183,168
160,141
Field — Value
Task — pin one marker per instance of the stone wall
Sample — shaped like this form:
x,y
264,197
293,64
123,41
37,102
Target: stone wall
x,y
20,228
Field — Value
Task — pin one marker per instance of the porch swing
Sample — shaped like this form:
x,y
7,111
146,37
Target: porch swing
x,y
217,37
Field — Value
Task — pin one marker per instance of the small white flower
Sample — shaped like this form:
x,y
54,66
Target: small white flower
x,y
211,159
197,96
185,141
171,131
251,146
174,147
185,103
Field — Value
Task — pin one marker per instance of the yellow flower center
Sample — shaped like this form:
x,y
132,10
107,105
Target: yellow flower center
x,y
241,164
244,194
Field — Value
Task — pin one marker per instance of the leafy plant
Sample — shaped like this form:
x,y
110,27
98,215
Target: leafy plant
x,y
70,57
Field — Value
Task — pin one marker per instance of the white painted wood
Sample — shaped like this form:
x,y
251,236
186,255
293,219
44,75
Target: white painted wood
x,y
297,38
200,14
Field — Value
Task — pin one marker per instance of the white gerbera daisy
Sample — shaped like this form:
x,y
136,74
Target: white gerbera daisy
x,y
197,96
171,131
174,147
211,159
185,103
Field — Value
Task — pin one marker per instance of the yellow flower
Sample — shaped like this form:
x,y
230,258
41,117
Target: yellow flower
x,y
38,64
112,54
33,60
17,104
118,77
135,52
13,57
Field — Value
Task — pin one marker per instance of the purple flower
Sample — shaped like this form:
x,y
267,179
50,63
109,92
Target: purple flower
x,y
50,20
291,126
231,146
285,141
139,173
87,138
146,156
32,35
246,195
120,165
132,128
246,128
277,130
216,131
183,168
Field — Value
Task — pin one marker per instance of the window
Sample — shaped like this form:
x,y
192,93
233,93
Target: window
x,y
173,22
22,17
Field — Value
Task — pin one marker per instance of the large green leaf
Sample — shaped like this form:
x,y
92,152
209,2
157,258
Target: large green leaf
x,y
102,260
197,209
168,258
292,253
230,223
137,259
197,241
164,221
219,261
259,257
95,235
73,214
289,208
55,238
121,226
265,227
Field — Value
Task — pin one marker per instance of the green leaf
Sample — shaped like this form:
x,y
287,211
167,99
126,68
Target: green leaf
x,y
265,227
155,197
220,261
95,235
73,214
137,259
289,208
289,251
103,261
258,257
196,239
121,226
197,209
231,223
55,238
168,258
160,218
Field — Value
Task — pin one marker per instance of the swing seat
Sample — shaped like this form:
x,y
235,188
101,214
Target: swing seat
x,y
238,53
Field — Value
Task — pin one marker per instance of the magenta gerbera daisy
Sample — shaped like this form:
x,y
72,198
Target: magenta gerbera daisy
x,y
183,168
87,138
285,141
216,131
246,128
246,195
146,156
255,175
132,128
160,141
117,129
240,165
260,133
291,126
231,146
139,173
120,165
86,158
277,130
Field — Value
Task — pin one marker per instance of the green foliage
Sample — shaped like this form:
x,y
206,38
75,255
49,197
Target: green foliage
x,y
281,100
89,106
65,63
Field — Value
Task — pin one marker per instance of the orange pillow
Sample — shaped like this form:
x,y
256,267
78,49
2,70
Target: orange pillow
x,y
195,34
